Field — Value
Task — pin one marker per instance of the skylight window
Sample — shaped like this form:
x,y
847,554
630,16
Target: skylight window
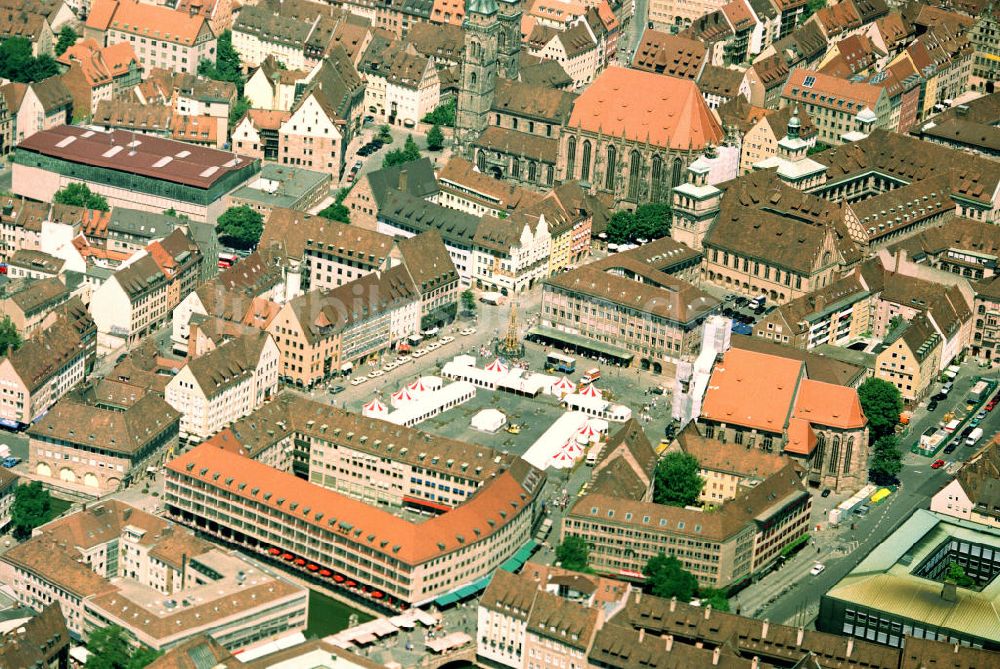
x,y
809,82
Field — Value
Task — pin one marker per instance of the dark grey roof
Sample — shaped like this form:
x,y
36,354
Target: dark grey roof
x,y
413,214
420,181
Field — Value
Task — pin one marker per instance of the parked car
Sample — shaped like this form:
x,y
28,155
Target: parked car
x,y
825,493
817,569
336,390
862,510
950,448
447,340
932,405
937,464
11,461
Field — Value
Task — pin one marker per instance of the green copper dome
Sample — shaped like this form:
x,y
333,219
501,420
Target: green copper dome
x,y
485,7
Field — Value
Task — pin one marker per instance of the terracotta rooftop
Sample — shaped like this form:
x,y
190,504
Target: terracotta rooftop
x,y
663,53
753,390
664,111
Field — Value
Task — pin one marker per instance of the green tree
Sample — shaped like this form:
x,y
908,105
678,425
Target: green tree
x,y
80,195
109,648
717,598
408,152
468,300
956,574
67,38
336,212
676,481
385,134
886,460
443,114
238,111
227,66
435,138
620,227
240,227
812,6
32,504
174,214
17,63
573,553
10,338
666,577
882,404
818,147
652,221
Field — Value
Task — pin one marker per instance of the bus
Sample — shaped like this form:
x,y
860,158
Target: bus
x,y
560,363
227,260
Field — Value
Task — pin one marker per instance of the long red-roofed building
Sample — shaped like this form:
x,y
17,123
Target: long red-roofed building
x,y
217,490
632,134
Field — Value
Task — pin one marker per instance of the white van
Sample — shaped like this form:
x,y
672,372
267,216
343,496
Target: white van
x,y
974,436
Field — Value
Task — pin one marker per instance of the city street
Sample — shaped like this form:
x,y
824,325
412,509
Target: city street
x,y
790,594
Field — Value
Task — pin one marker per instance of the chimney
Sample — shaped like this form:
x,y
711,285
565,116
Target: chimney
x,y
642,634
850,645
638,596
799,635
669,642
708,612
673,604
764,628
948,592
715,655
403,179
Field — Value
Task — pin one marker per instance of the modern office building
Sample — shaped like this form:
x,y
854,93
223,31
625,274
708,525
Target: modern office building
x,y
904,588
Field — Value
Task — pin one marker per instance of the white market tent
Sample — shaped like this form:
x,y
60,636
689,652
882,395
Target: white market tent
x,y
432,403
489,420
374,409
551,442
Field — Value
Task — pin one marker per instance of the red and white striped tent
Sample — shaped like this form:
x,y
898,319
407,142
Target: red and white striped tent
x,y
591,391
563,386
375,409
589,433
572,449
562,460
401,396
496,366
418,386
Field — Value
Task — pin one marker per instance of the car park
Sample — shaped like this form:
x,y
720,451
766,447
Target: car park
x,y
937,464
817,569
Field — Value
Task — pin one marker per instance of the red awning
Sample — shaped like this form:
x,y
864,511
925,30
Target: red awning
x,y
300,561
312,567
338,578
325,572
351,584
287,556
274,551
377,595
425,503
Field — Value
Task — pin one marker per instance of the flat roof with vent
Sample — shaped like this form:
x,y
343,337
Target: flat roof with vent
x,y
186,164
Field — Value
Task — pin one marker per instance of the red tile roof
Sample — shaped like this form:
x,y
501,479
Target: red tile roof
x,y
829,405
641,106
752,389
497,503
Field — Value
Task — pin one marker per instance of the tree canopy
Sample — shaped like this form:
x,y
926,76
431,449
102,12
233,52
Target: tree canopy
x,y
886,460
676,481
32,504
110,649
227,66
882,404
17,63
408,152
468,300
238,111
240,227
80,195
648,221
67,38
574,553
10,338
443,114
435,138
666,577
336,212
